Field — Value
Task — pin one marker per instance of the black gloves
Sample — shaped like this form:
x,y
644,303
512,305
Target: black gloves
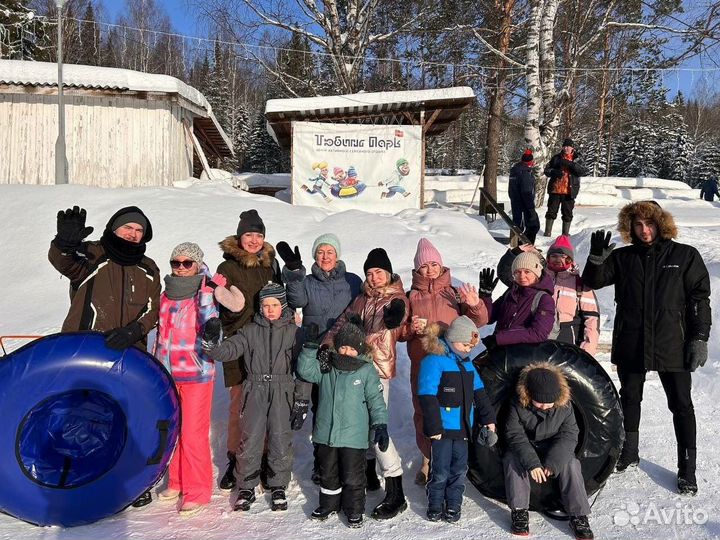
x,y
292,260
696,353
123,337
382,439
600,247
71,229
393,313
211,333
487,282
490,342
486,437
323,356
298,413
312,331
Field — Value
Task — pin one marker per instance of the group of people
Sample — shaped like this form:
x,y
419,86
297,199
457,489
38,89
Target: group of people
x,y
339,357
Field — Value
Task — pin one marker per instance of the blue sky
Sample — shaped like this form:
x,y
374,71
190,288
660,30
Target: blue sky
x,y
186,22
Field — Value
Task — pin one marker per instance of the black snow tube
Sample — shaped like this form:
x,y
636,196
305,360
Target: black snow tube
x,y
597,409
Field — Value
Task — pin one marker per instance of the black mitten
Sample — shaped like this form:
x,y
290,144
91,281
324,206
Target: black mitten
x,y
291,258
382,439
312,331
394,313
323,356
298,414
211,333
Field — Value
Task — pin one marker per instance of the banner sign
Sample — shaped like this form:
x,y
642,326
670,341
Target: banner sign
x,y
355,166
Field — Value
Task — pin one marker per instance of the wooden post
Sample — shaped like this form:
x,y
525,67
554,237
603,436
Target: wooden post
x,y
422,159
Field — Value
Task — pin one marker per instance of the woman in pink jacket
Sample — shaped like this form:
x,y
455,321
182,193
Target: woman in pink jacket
x,y
576,306
433,299
186,305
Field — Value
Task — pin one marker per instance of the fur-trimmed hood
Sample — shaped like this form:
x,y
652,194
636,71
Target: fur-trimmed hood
x,y
667,229
524,394
233,252
432,341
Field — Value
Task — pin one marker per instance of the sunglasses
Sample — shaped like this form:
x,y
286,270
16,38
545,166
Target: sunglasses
x,y
184,264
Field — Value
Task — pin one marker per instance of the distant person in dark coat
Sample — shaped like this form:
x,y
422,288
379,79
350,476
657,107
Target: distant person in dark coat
x,y
563,171
709,189
662,322
521,190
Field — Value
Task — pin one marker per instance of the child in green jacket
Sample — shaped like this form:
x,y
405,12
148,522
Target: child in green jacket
x,y
350,404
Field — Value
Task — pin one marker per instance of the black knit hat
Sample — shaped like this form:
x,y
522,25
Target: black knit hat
x,y
568,142
130,214
543,385
378,258
351,334
250,222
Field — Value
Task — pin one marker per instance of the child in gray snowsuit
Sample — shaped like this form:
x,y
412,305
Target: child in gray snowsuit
x,y
269,347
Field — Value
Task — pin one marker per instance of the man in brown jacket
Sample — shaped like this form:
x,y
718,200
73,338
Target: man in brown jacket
x,y
114,287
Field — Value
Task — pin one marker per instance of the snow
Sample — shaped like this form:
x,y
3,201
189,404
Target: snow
x,y
35,300
366,99
46,74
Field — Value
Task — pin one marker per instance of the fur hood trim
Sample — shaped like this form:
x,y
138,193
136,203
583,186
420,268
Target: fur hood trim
x,y
432,342
524,394
232,251
667,229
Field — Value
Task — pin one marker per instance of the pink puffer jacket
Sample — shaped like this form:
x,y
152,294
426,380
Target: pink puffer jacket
x,y
369,306
576,305
437,301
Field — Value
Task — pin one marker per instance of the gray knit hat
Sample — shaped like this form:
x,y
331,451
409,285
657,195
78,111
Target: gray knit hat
x,y
273,290
129,217
528,261
190,250
462,330
328,239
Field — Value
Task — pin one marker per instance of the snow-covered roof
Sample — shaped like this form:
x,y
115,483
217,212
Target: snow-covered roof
x,y
363,107
25,73
99,78
367,100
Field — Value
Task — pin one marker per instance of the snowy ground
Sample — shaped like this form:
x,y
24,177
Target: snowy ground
x,y
641,504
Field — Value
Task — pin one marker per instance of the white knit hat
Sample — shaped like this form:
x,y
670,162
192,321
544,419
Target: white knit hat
x,y
528,261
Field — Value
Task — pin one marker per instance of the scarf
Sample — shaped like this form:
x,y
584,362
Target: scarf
x,y
121,251
346,363
182,287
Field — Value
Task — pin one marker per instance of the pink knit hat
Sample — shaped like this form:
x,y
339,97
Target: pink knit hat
x,y
562,246
426,253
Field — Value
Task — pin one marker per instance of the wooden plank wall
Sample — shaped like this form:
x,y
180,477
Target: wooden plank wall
x,y
112,141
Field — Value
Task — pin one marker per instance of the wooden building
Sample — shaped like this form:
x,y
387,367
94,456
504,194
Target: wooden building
x,y
123,128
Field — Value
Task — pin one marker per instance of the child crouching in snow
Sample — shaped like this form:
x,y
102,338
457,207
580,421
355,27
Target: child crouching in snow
x,y
350,403
448,385
268,346
541,434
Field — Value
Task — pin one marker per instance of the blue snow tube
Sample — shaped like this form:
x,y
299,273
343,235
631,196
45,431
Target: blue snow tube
x,y
85,429
597,410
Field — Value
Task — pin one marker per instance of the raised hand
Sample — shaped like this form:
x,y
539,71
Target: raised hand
x,y
600,246
71,229
469,295
487,282
292,259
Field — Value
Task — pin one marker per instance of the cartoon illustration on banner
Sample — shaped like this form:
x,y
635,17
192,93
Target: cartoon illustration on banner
x,y
343,166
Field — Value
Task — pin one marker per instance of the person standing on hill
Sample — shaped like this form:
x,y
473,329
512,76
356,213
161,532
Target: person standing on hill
x,y
521,190
709,189
662,322
563,171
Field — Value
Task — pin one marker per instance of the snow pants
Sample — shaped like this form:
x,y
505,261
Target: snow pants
x,y
526,219
570,480
265,414
389,461
563,202
342,478
448,465
190,469
677,386
423,443
233,434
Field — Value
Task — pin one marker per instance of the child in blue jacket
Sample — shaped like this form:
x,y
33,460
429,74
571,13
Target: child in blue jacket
x,y
448,387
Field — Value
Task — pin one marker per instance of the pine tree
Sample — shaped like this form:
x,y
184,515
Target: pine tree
x,y
22,35
296,69
90,38
240,137
264,155
218,88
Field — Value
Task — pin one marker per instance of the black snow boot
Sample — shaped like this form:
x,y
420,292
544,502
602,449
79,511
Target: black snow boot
x,y
629,457
144,500
278,501
227,482
394,502
245,498
355,521
329,505
548,227
566,228
687,483
581,528
373,482
520,522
